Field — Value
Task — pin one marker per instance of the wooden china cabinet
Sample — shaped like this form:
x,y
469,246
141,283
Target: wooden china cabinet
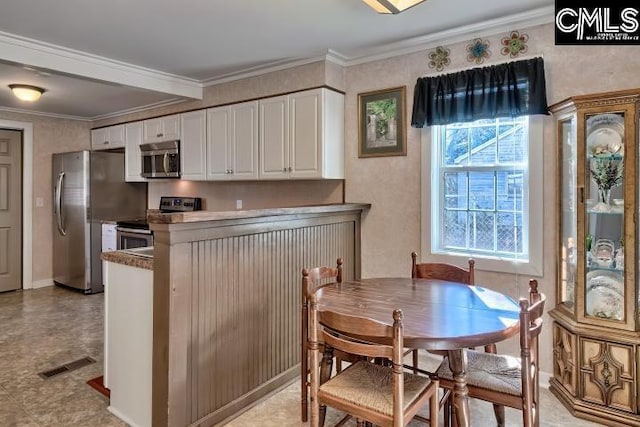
x,y
596,332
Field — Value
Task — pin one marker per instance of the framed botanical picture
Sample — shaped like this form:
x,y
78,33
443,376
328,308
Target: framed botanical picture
x,y
381,123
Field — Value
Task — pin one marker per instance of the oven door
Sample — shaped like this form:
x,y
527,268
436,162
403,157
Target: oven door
x,y
129,238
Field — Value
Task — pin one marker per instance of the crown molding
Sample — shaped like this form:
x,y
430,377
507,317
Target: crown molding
x,y
543,15
140,109
94,118
271,67
23,50
45,114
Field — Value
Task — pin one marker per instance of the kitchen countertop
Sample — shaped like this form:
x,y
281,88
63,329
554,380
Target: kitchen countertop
x,y
155,216
120,257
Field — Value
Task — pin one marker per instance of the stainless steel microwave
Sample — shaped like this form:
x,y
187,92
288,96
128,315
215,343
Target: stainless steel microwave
x,y
161,159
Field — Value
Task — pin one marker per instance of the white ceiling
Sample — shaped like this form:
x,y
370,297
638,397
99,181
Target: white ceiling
x,y
130,54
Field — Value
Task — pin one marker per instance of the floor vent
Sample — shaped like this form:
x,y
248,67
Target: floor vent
x,y
67,367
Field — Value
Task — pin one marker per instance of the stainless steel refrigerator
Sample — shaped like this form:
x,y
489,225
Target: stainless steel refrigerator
x,y
88,188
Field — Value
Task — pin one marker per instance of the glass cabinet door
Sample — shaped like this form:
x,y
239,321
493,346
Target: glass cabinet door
x,y
604,226
568,221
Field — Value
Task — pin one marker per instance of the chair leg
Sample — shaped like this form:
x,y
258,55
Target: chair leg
x,y
498,410
325,374
304,389
415,361
433,409
359,423
338,365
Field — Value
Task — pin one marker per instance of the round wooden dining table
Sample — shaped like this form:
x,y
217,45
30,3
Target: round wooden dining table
x,y
438,315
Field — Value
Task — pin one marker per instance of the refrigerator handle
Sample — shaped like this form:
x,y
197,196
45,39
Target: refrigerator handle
x,y
58,205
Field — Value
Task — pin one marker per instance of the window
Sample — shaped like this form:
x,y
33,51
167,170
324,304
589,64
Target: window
x,y
482,195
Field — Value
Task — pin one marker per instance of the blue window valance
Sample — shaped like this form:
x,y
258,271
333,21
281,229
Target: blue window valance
x,y
505,90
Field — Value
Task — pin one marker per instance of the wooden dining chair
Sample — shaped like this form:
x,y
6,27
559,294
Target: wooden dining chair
x,y
311,279
376,393
441,271
507,380
452,273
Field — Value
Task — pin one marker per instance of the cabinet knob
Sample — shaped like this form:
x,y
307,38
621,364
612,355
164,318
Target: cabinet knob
x,y
284,169
106,142
158,135
230,170
290,169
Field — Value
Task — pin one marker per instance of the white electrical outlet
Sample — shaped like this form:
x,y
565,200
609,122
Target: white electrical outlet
x,y
238,204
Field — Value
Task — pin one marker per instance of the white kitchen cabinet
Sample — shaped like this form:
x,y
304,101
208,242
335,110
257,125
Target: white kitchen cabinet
x,y
107,138
162,129
302,135
232,142
274,138
193,145
128,341
133,157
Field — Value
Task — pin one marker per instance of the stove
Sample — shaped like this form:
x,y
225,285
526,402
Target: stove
x,y
180,204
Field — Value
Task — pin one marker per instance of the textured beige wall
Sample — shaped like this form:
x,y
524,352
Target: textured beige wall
x,y
391,230
50,135
222,196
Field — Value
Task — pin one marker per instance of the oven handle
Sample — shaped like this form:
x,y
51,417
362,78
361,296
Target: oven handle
x,y
134,230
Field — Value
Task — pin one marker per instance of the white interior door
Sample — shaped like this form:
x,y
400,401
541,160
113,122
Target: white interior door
x,y
10,210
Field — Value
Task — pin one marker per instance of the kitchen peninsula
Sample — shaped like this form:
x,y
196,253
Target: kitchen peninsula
x,y
226,302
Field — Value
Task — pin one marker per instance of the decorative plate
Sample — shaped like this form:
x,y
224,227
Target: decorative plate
x,y
605,135
605,294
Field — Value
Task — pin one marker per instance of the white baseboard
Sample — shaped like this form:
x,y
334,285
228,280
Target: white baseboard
x,y
121,416
40,284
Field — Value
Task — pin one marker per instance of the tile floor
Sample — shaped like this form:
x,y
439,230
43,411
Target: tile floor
x,y
44,328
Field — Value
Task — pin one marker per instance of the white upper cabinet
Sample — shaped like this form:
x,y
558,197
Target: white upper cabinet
x,y
107,138
133,157
162,129
274,138
232,142
302,135
193,146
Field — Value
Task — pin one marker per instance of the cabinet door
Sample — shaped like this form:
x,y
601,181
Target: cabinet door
x,y
218,143
170,126
116,136
274,138
305,155
244,141
162,129
608,374
193,144
565,351
133,158
107,138
152,130
99,139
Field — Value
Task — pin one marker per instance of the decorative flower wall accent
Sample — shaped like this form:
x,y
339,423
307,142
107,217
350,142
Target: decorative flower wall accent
x,y
514,44
478,51
439,58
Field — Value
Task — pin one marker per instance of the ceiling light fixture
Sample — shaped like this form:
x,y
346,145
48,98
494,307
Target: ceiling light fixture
x,y
391,6
26,92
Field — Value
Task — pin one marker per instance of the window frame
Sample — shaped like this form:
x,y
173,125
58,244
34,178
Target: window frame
x,y
533,221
